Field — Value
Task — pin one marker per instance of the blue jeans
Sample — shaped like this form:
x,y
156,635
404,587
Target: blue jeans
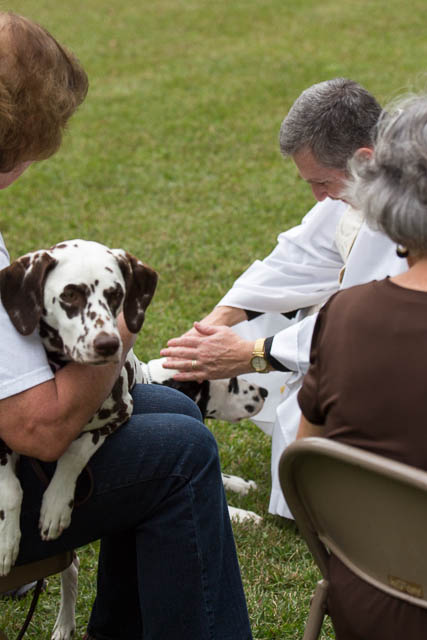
x,y
167,566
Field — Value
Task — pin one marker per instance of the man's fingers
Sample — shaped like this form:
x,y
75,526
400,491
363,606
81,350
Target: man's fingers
x,y
183,353
184,341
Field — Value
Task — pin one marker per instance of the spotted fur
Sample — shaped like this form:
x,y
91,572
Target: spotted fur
x,y
231,399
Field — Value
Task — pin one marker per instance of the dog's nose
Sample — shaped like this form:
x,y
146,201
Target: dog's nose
x,y
105,344
263,392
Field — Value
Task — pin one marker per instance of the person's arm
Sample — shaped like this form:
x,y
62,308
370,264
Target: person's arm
x,y
42,421
223,315
301,271
307,429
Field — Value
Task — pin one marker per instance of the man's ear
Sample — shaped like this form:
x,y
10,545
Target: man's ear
x,y
364,152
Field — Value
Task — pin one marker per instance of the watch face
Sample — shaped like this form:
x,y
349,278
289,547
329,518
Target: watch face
x,y
259,363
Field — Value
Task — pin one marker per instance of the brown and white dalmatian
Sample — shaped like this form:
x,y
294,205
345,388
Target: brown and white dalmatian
x,y
232,399
73,293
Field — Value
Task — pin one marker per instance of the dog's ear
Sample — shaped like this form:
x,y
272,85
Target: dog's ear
x,y
141,282
22,287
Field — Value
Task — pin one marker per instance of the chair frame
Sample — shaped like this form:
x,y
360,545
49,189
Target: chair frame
x,y
387,501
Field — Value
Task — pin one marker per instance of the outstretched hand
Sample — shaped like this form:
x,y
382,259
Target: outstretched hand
x,y
208,352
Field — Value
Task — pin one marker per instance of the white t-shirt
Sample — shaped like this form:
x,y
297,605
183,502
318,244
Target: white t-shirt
x,y
23,362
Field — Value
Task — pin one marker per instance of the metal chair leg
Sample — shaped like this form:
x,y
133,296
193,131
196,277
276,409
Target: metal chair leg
x,y
317,611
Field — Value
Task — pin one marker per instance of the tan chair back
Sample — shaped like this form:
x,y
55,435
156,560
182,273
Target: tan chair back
x,y
370,511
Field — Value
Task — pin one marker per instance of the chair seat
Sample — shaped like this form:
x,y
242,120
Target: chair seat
x,y
22,574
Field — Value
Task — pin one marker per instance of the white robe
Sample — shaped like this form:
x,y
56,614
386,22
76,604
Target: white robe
x,y
303,271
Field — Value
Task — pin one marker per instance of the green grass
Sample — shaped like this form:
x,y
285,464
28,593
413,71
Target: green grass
x,y
174,157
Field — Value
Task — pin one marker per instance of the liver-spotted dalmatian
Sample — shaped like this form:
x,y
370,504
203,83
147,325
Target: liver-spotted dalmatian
x,y
73,293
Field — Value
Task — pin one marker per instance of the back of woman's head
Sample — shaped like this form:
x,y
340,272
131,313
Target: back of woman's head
x,y
390,186
41,85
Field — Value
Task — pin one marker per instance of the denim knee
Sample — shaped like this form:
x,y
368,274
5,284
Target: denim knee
x,y
155,398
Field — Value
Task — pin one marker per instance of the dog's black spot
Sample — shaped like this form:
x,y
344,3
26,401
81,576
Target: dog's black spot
x,y
4,453
51,334
103,414
249,408
2,516
263,392
197,391
131,374
114,297
233,385
103,305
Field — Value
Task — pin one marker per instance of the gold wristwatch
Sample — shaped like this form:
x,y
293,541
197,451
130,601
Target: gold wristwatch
x,y
258,361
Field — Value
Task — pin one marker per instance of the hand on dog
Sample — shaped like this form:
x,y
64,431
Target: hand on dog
x,y
208,353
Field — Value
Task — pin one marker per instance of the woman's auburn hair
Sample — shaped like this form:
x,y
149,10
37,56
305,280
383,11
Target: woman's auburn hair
x,y
41,85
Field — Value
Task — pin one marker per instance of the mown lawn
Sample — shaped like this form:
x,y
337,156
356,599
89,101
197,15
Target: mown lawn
x,y
174,157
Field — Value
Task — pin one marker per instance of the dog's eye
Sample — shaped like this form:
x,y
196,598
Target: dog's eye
x,y
74,295
114,297
69,297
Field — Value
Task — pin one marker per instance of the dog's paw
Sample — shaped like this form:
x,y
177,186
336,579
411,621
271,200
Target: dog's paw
x,y
63,632
240,515
10,536
8,553
55,516
238,485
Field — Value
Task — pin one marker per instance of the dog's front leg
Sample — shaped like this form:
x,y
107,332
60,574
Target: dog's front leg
x,y
65,624
10,509
58,499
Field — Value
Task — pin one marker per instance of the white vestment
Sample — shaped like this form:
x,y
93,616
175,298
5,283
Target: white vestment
x,y
331,248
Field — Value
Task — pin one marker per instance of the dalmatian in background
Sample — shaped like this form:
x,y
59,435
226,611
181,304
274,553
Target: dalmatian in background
x,y
232,400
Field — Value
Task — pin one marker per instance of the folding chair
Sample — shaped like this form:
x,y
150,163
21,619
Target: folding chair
x,y
370,511
35,571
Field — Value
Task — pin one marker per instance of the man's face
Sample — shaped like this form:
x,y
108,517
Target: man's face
x,y
324,181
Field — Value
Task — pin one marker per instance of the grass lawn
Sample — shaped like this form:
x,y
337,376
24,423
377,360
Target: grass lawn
x,y
174,157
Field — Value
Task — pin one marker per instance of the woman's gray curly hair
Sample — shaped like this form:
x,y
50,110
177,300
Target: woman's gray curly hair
x,y
390,186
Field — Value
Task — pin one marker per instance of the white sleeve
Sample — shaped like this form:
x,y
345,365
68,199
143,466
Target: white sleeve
x,y
291,346
301,271
23,361
373,257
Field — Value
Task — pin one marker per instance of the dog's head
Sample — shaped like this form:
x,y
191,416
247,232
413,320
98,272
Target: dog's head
x,y
73,292
234,399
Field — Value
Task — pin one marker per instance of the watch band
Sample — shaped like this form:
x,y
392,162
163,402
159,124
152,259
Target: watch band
x,y
259,348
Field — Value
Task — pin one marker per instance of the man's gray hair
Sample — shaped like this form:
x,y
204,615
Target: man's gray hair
x,y
390,186
332,119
